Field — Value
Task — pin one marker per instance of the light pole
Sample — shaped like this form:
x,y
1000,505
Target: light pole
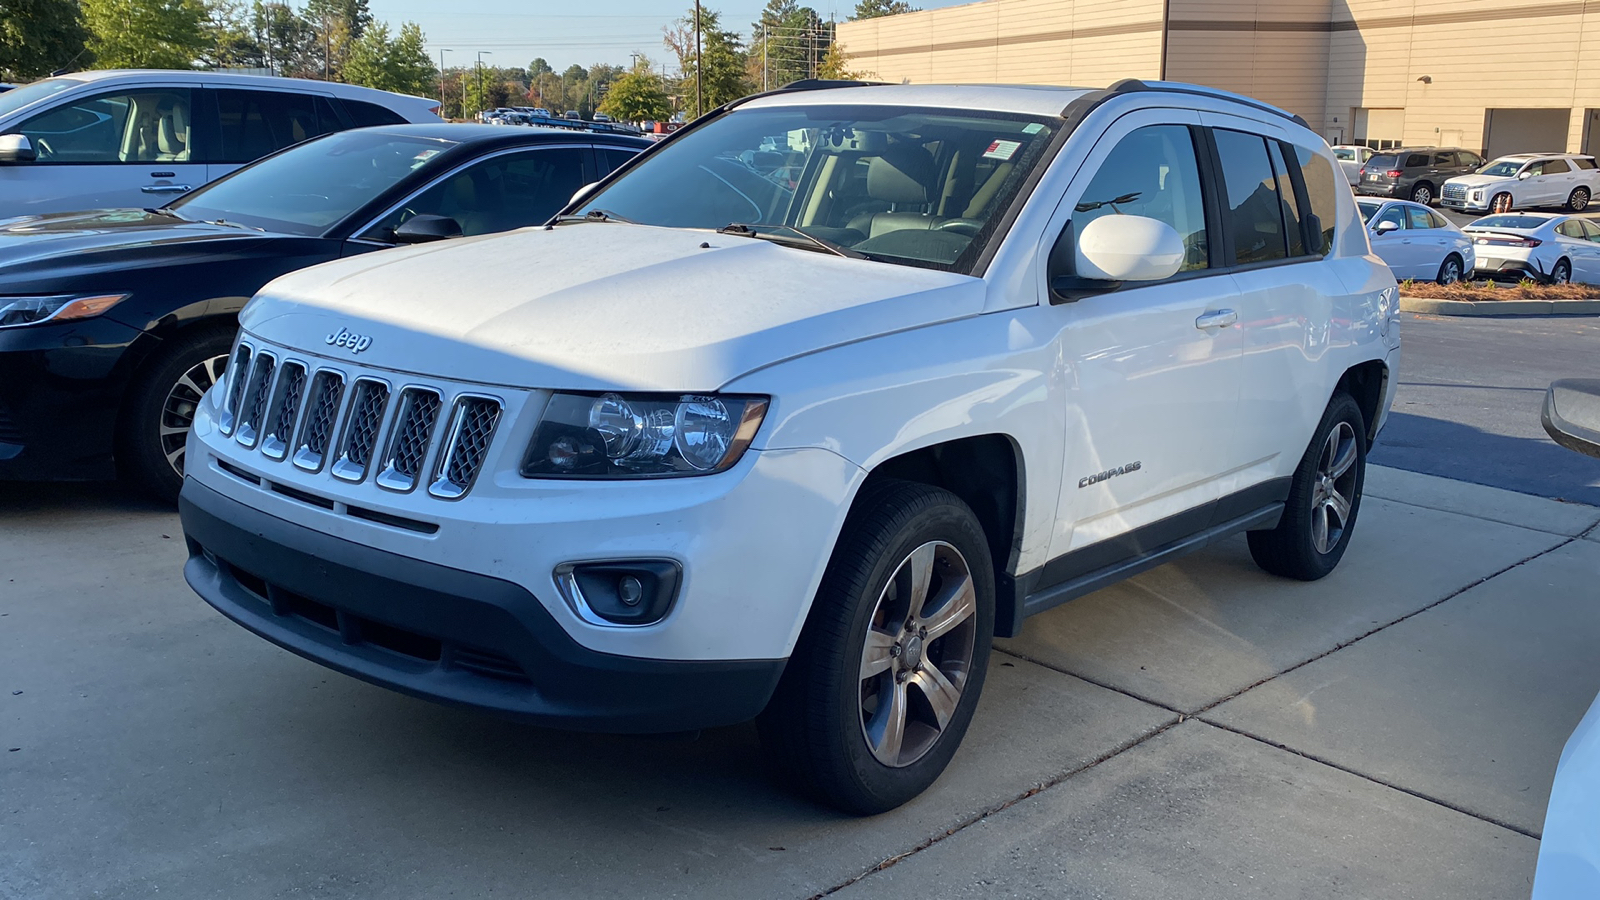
x,y
442,52
699,66
480,76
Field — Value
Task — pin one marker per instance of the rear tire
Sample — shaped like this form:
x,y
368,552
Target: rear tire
x,y
1324,499
1422,193
1578,200
883,682
154,423
1561,273
1450,270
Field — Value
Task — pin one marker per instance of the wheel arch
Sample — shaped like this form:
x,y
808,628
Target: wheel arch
x,y
986,472
1367,382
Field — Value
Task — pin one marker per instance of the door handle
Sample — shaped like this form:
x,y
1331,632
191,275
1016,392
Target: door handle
x,y
1222,318
166,188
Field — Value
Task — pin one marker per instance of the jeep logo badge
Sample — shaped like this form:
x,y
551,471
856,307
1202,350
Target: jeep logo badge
x,y
351,341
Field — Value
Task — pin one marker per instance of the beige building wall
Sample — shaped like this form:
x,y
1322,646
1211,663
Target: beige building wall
x,y
1424,71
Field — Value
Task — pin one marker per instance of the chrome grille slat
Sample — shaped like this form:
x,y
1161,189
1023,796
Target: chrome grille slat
x,y
284,411
258,391
368,401
471,429
238,376
316,429
409,439
1455,192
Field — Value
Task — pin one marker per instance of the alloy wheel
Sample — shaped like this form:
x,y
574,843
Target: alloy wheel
x,y
1452,271
1561,274
1421,195
918,653
177,410
1334,490
1579,200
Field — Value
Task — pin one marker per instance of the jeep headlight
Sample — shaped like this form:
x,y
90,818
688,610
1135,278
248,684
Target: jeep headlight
x,y
19,311
615,435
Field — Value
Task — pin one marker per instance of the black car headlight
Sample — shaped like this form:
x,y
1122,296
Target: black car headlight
x,y
642,435
18,311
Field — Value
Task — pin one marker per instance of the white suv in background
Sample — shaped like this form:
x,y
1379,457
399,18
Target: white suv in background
x,y
796,448
1523,181
136,138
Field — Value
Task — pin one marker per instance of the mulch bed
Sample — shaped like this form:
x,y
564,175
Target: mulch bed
x,y
1489,290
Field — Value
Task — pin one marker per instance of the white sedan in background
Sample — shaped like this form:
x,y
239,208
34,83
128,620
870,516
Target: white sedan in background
x,y
1543,246
1416,242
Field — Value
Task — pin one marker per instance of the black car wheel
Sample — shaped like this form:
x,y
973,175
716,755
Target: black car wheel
x,y
161,404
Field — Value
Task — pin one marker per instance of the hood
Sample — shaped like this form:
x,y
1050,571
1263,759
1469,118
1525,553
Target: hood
x,y
1472,181
39,243
598,306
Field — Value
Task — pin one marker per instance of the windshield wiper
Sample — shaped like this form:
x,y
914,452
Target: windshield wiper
x,y
226,224
818,243
596,215
163,211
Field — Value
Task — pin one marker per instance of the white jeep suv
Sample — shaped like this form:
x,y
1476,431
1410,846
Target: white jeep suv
x,y
792,439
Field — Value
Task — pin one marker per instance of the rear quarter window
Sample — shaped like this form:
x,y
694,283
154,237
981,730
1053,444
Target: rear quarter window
x,y
365,114
1322,191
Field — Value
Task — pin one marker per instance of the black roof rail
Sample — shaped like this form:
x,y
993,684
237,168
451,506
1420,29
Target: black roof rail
x,y
818,84
1134,85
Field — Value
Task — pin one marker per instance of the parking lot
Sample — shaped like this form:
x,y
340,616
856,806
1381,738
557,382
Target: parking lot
x,y
1203,731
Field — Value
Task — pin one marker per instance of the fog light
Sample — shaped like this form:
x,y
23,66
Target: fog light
x,y
620,592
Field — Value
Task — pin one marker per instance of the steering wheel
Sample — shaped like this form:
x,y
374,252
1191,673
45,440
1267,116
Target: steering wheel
x,y
42,149
968,227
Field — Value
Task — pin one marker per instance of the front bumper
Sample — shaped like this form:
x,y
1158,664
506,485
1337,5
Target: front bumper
x,y
60,389
1464,205
441,633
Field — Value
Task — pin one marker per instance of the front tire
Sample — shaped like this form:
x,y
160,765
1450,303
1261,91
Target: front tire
x,y
1324,499
154,425
888,670
1450,270
1578,200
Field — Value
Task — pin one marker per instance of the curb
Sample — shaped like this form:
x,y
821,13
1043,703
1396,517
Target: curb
x,y
1500,307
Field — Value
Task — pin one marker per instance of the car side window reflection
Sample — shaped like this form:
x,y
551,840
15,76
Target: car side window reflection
x,y
1393,214
1152,172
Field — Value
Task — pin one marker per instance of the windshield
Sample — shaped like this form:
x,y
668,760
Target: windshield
x,y
13,100
1368,209
917,187
1488,222
313,186
1503,168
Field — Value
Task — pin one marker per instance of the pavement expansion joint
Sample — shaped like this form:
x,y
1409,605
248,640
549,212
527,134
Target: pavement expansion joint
x,y
975,818
1456,512
1366,777
1181,714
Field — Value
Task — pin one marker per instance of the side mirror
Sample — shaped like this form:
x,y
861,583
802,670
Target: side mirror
x,y
1571,414
16,148
583,192
1524,175
1128,248
425,228
1387,226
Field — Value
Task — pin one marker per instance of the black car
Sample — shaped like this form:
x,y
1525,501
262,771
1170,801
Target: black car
x,y
113,323
1415,173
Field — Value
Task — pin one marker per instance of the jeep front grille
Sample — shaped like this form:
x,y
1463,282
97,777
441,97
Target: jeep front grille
x,y
257,390
327,389
355,426
368,401
467,440
409,439
285,410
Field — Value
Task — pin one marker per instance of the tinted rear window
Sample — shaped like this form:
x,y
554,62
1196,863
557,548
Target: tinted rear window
x,y
1583,163
1509,222
365,114
1381,162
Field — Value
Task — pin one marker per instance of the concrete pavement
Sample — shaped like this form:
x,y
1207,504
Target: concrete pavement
x,y
1201,731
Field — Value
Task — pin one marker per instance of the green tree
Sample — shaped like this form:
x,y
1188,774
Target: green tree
x,y
637,95
289,44
230,39
872,9
836,65
787,44
398,64
145,34
39,36
538,67
718,75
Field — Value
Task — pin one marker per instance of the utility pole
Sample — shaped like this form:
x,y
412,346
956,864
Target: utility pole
x,y
442,52
699,66
480,78
766,64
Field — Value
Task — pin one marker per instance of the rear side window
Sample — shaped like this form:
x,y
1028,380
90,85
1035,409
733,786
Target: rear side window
x,y
1152,172
1571,229
255,123
365,114
1416,160
1583,162
614,158
1420,218
1322,191
1291,206
1438,220
1555,167
1471,159
1251,204
1444,159
1591,231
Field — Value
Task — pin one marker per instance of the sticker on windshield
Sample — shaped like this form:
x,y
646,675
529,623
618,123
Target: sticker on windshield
x,y
1002,150
1033,128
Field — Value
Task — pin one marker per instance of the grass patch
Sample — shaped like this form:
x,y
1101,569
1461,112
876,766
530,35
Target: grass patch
x,y
1525,289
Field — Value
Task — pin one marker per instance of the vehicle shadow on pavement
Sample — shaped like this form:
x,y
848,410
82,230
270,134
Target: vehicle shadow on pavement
x,y
76,496
1535,465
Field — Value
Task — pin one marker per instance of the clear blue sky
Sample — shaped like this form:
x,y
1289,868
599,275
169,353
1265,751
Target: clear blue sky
x,y
600,31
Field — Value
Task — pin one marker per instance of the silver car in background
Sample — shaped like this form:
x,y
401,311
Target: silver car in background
x,y
1416,242
1546,247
